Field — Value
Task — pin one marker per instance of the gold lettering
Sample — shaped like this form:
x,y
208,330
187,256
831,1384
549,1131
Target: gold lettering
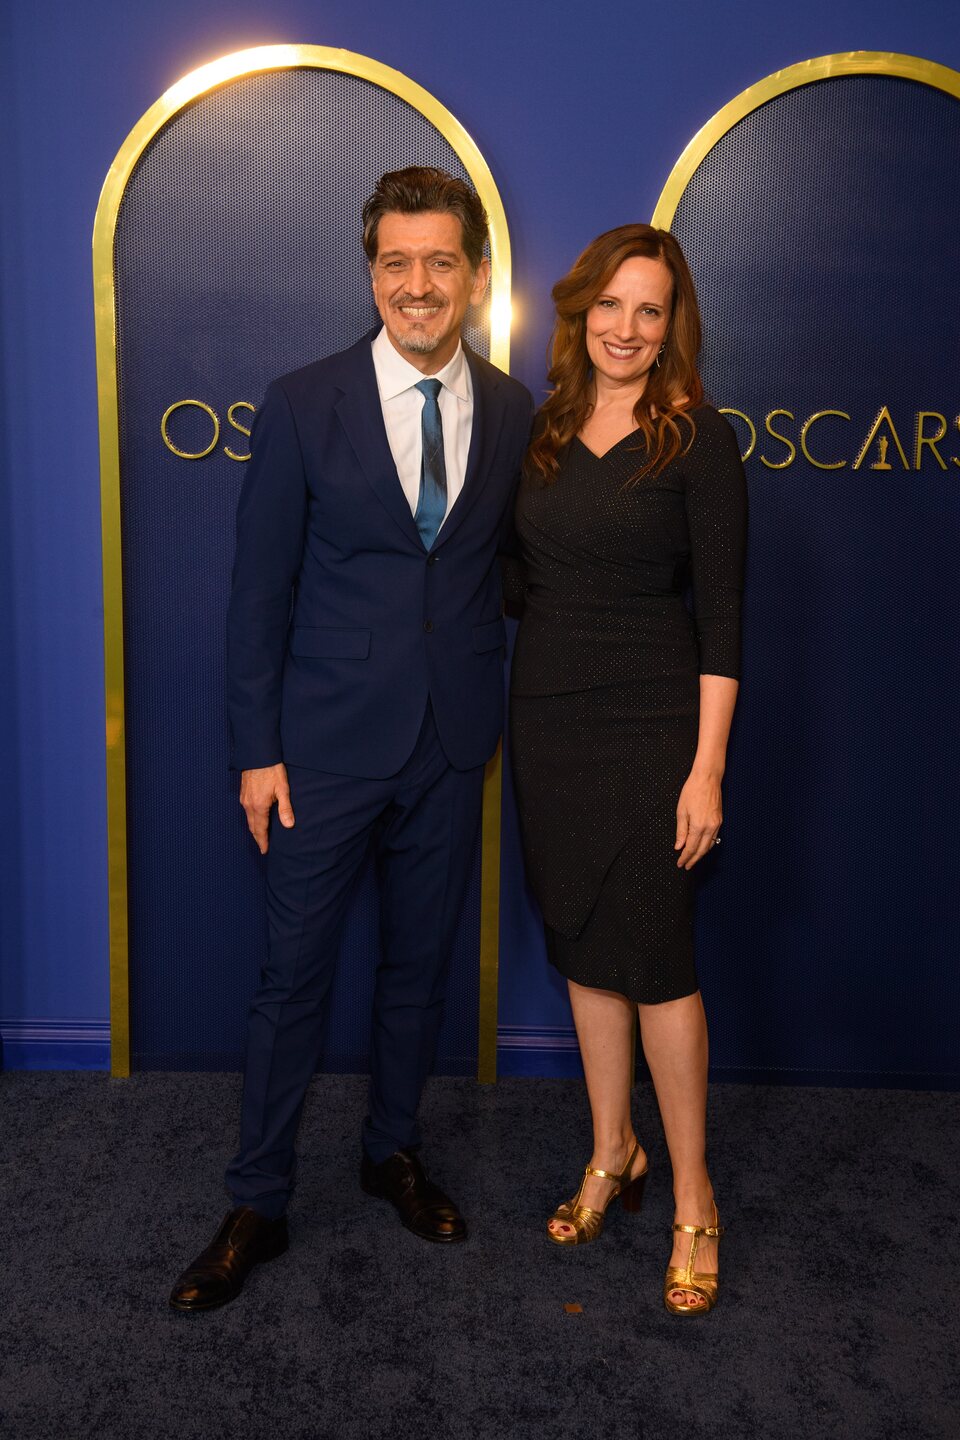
x,y
883,416
954,459
792,449
188,454
808,425
231,416
930,440
750,425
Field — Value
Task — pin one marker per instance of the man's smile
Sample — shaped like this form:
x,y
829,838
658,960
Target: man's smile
x,y
421,310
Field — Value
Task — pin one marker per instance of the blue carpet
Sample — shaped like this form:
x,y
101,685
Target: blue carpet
x,y
837,1317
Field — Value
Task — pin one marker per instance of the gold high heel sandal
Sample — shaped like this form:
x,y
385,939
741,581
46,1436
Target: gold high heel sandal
x,y
679,1278
586,1223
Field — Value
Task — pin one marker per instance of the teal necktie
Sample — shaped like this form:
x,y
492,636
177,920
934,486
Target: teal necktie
x,y
432,500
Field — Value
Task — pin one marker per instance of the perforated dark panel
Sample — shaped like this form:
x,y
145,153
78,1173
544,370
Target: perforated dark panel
x,y
824,237
238,258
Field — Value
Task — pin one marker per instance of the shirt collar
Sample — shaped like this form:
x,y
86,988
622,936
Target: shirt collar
x,y
395,374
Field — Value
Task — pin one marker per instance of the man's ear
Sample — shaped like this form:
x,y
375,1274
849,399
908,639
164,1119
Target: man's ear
x,y
481,280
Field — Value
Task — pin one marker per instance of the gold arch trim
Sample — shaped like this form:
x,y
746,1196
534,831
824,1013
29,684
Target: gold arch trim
x,y
826,67
194,85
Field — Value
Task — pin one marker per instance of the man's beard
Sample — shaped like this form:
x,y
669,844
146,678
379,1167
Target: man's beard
x,y
417,342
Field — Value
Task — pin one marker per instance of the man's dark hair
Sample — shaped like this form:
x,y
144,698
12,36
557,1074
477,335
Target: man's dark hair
x,y
423,187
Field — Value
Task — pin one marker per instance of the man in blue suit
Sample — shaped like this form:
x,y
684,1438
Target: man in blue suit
x,y
365,649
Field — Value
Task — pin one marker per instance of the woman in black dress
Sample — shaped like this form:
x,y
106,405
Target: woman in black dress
x,y
621,707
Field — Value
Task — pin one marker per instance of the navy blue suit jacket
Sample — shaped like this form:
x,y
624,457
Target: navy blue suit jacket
x,y
340,623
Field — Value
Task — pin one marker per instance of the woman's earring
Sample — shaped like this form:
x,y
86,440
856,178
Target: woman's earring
x,y
660,352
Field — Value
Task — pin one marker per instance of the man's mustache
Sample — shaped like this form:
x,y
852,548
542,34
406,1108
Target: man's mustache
x,y
439,300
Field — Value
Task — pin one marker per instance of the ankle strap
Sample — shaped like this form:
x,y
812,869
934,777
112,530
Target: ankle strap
x,y
714,1231
600,1174
624,1173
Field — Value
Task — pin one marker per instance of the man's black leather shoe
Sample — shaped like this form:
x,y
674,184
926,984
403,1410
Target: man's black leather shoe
x,y
421,1205
216,1276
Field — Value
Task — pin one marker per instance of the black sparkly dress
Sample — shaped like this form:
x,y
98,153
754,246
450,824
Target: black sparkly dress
x,y
605,696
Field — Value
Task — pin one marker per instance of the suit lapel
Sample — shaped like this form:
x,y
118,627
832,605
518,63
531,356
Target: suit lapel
x,y
361,416
488,413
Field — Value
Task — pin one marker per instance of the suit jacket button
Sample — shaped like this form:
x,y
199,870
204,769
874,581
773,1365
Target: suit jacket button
x,y
428,626
431,559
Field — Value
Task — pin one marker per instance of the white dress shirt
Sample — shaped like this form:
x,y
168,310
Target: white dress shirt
x,y
402,407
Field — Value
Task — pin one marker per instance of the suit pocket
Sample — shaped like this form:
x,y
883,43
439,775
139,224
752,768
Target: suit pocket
x,y
490,636
316,642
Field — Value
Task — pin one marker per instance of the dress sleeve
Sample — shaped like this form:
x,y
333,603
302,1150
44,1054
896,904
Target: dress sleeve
x,y
716,506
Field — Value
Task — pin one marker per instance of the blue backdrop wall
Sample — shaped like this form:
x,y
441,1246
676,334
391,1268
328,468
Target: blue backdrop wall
x,y
580,128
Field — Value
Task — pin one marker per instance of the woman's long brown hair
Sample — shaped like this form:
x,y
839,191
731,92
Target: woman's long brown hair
x,y
673,388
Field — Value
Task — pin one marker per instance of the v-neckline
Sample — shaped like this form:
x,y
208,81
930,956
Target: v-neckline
x,y
610,449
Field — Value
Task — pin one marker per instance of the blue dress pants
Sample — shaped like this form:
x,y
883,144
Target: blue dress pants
x,y
423,824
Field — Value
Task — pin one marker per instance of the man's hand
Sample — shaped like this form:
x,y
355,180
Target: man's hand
x,y
259,789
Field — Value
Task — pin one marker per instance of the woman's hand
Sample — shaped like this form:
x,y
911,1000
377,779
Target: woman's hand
x,y
699,816
700,808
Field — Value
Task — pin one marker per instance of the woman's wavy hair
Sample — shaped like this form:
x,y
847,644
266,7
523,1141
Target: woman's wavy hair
x,y
673,387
